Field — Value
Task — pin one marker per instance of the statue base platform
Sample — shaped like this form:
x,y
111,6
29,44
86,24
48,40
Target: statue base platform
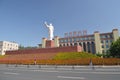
x,y
49,44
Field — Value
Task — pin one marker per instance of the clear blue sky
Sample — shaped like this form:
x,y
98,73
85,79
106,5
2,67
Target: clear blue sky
x,y
22,21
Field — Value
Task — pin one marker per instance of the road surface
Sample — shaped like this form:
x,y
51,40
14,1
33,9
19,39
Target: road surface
x,y
44,72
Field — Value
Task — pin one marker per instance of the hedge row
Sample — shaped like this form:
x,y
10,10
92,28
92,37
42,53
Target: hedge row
x,y
82,61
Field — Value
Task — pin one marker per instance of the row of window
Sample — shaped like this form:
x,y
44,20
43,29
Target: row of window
x,y
104,51
9,48
2,51
75,39
106,41
89,47
11,45
85,38
106,36
105,46
75,44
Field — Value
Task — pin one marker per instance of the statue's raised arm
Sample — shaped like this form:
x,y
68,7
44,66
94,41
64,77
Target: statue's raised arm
x,y
46,25
50,29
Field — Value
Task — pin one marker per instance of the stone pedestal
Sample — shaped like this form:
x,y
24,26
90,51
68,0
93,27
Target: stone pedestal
x,y
49,44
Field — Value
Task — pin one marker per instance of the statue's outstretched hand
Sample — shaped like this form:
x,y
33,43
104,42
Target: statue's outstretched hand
x,y
45,22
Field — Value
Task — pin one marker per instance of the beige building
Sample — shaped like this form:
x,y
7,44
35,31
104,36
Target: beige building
x,y
7,46
92,43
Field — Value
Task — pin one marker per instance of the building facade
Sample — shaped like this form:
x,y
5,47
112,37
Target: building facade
x,y
7,46
94,43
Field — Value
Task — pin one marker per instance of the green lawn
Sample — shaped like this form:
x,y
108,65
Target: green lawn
x,y
73,55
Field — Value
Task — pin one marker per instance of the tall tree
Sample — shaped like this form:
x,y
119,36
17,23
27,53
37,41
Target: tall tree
x,y
21,47
115,48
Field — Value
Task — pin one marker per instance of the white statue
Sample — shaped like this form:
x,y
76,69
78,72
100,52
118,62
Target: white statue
x,y
50,29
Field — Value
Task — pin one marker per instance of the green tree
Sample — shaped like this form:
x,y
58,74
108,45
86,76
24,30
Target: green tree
x,y
115,48
21,47
28,47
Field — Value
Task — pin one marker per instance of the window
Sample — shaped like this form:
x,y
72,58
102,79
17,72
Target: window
x,y
102,41
92,37
83,39
86,38
79,39
67,44
107,46
66,40
102,46
75,44
75,39
103,36
71,44
60,45
111,36
111,41
70,39
106,41
61,40
103,51
80,44
106,36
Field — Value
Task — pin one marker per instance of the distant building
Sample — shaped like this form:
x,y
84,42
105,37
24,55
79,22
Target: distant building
x,y
92,43
7,46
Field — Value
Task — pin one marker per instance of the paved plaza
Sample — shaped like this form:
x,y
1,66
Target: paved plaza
x,y
52,72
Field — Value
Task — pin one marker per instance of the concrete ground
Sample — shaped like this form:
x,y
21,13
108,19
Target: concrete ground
x,y
52,72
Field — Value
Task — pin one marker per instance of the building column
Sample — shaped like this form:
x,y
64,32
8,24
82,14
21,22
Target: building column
x,y
82,45
86,46
68,44
90,47
56,41
77,43
97,42
44,42
115,34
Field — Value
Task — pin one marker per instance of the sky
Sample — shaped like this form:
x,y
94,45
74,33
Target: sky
x,y
22,21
